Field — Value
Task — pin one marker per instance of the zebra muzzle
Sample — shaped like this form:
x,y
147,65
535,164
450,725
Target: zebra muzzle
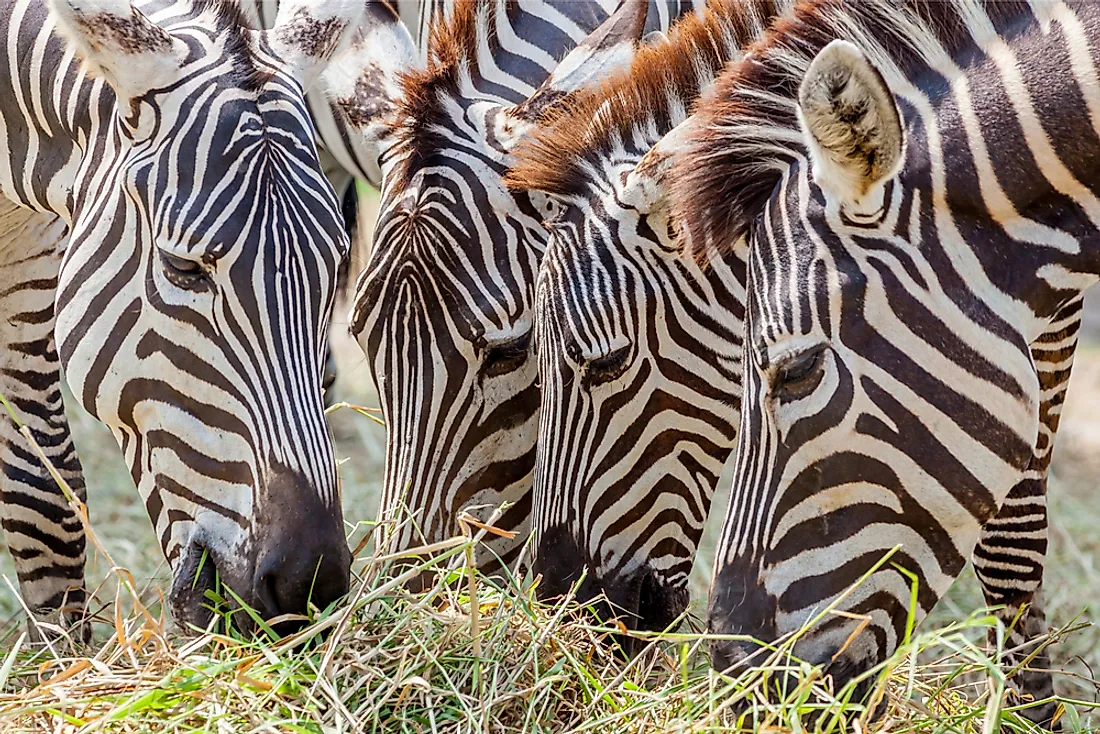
x,y
196,575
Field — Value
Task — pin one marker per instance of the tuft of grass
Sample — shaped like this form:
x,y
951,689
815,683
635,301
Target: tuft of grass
x,y
474,653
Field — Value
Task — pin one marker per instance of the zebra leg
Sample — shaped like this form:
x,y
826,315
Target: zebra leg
x,y
44,534
1009,557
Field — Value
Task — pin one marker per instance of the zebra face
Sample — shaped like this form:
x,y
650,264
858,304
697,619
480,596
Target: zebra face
x,y
636,419
193,303
451,349
444,310
879,432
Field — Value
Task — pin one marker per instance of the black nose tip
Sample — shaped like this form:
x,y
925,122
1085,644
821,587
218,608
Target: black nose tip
x,y
302,555
291,577
328,378
731,656
641,599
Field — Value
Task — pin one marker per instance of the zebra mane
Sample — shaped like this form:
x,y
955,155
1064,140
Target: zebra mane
x,y
747,130
453,47
649,98
235,23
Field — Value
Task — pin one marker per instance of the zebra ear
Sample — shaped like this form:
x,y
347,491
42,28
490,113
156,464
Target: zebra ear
x,y
608,49
646,186
307,32
851,125
363,81
117,42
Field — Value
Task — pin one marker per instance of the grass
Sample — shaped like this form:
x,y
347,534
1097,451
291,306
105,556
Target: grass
x,y
475,654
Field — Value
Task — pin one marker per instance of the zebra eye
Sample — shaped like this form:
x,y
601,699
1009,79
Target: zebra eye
x,y
183,272
800,374
500,359
607,368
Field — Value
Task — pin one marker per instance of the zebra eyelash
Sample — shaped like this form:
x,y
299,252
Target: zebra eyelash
x,y
184,272
798,375
607,368
500,359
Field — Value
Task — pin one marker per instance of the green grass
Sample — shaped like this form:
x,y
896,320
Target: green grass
x,y
472,654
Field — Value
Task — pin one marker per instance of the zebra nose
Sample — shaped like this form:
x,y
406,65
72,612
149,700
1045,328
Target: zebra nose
x,y
303,556
299,573
727,656
641,599
740,605
328,377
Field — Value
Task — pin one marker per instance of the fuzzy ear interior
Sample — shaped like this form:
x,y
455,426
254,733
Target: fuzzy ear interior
x,y
646,187
308,32
363,81
117,42
852,126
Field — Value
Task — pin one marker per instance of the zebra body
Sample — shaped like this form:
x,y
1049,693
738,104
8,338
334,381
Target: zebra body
x,y
444,310
917,258
169,238
639,350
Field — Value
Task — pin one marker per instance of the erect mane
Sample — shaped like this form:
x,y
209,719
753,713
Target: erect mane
x,y
747,130
454,42
236,24
654,94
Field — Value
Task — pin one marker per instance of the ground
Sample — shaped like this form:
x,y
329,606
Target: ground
x,y
1073,569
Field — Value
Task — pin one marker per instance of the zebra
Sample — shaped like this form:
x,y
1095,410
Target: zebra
x,y
919,238
639,350
346,154
170,241
443,310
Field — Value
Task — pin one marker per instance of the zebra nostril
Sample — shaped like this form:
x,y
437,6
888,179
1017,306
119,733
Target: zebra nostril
x,y
328,377
289,582
267,596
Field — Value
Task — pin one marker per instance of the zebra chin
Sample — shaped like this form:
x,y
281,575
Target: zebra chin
x,y
196,575
642,599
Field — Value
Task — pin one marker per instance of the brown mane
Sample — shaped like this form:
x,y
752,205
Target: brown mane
x,y
452,50
748,131
662,80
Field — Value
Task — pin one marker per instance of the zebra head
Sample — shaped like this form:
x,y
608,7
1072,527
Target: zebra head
x,y
890,400
639,348
196,290
638,410
444,309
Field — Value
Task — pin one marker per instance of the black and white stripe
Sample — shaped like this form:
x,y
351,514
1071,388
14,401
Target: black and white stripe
x,y
444,310
639,350
175,211
921,225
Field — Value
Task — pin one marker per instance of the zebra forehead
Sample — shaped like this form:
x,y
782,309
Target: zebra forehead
x,y
454,45
654,94
747,132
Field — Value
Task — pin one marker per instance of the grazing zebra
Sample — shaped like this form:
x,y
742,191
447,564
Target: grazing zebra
x,y
639,350
169,240
921,224
444,308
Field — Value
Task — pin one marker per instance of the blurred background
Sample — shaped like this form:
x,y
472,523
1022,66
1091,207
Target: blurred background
x,y
1072,587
